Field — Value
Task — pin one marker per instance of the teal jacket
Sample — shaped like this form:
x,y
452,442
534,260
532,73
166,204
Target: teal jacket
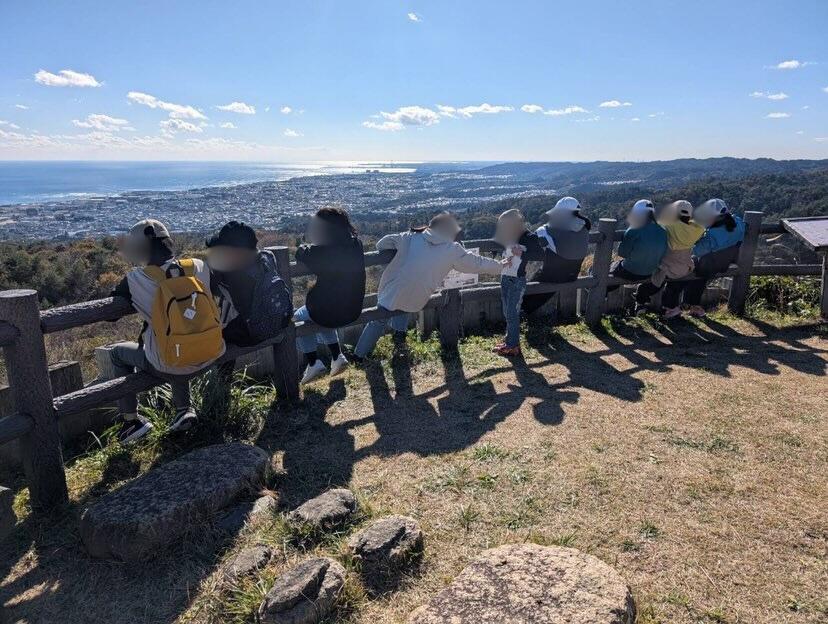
x,y
643,248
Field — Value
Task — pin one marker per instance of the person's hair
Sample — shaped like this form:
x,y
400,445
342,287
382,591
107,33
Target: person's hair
x,y
729,221
436,221
587,222
160,250
338,220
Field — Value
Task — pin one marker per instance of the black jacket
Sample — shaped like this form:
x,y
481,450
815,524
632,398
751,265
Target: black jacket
x,y
535,246
335,300
716,262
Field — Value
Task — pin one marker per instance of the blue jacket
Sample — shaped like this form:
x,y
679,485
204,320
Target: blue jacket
x,y
717,238
718,248
643,248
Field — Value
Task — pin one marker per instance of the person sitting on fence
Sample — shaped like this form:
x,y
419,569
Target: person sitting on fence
x,y
335,255
254,301
682,234
523,246
424,257
181,333
714,252
643,246
567,235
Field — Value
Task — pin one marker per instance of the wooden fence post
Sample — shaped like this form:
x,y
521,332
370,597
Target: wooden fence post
x,y
741,281
450,319
600,270
285,356
32,393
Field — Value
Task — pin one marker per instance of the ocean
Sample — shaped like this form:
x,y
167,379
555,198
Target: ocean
x,y
28,182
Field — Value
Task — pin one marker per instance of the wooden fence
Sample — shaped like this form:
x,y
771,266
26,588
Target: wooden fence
x,y
37,412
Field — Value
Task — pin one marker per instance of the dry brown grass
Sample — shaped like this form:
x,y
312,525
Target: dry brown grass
x,y
692,457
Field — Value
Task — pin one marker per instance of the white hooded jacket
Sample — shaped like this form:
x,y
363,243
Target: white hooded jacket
x,y
422,261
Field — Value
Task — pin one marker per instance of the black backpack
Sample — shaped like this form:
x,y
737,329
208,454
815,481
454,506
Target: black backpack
x,y
271,307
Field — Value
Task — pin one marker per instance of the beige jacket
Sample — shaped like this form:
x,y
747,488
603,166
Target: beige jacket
x,y
422,261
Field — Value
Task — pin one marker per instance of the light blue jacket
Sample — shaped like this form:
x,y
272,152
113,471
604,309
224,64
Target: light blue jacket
x,y
717,238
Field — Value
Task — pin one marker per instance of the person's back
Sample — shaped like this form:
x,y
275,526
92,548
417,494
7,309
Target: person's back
x,y
642,248
719,247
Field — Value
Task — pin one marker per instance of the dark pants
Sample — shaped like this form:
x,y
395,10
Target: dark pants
x,y
691,289
646,290
617,270
126,357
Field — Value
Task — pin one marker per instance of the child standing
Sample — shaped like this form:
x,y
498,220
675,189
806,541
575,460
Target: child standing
x,y
158,273
682,234
335,254
423,258
643,246
521,246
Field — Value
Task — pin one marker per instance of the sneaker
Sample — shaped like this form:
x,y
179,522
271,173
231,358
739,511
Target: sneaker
x,y
509,351
184,419
314,371
399,338
640,309
133,429
697,311
339,365
672,312
498,346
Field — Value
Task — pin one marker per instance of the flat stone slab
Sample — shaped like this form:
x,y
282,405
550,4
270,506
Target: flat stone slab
x,y
329,510
531,584
385,548
139,519
246,562
305,594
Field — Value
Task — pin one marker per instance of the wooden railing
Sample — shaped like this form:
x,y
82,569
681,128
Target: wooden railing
x,y
37,413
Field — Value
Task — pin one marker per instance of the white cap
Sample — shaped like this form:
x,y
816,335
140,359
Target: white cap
x,y
149,228
707,213
641,207
565,204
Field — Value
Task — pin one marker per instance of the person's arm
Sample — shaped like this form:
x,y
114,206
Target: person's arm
x,y
628,242
122,290
468,262
535,246
704,246
307,255
389,241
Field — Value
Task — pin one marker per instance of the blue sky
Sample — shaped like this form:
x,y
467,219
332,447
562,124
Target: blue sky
x,y
419,80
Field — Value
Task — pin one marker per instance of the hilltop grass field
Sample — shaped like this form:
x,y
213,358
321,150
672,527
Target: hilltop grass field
x,y
692,457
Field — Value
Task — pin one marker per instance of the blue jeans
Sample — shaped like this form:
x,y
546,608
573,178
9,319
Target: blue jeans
x,y
511,294
308,342
375,329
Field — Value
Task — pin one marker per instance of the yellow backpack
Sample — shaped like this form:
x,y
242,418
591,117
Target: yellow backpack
x,y
184,318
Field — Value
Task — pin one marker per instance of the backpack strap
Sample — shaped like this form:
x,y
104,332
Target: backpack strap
x,y
188,266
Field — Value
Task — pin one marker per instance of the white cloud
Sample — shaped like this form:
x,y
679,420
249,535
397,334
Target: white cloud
x,y
406,116
171,126
777,115
792,64
238,107
770,96
9,124
267,109
414,17
658,114
635,119
825,89
471,111
103,123
21,106
228,125
292,133
65,78
800,132
821,139
588,119
387,126
176,111
532,108
613,104
569,110
806,107
286,110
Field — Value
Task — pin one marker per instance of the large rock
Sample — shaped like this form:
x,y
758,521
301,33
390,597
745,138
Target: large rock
x,y
385,548
304,594
329,510
246,562
139,519
531,584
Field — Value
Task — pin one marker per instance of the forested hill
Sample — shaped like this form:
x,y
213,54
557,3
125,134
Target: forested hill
x,y
568,177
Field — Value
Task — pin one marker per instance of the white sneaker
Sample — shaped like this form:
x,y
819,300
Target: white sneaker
x,y
339,365
314,371
672,312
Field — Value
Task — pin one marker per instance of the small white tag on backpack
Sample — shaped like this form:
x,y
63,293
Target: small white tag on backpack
x,y
189,314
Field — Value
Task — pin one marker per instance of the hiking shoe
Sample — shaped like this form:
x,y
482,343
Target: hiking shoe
x,y
339,365
184,419
314,371
509,351
672,312
399,338
498,347
697,311
133,429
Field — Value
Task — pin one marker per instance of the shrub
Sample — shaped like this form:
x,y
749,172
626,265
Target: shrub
x,y
784,294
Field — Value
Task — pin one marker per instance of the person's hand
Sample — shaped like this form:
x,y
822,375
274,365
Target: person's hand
x,y
506,262
517,250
